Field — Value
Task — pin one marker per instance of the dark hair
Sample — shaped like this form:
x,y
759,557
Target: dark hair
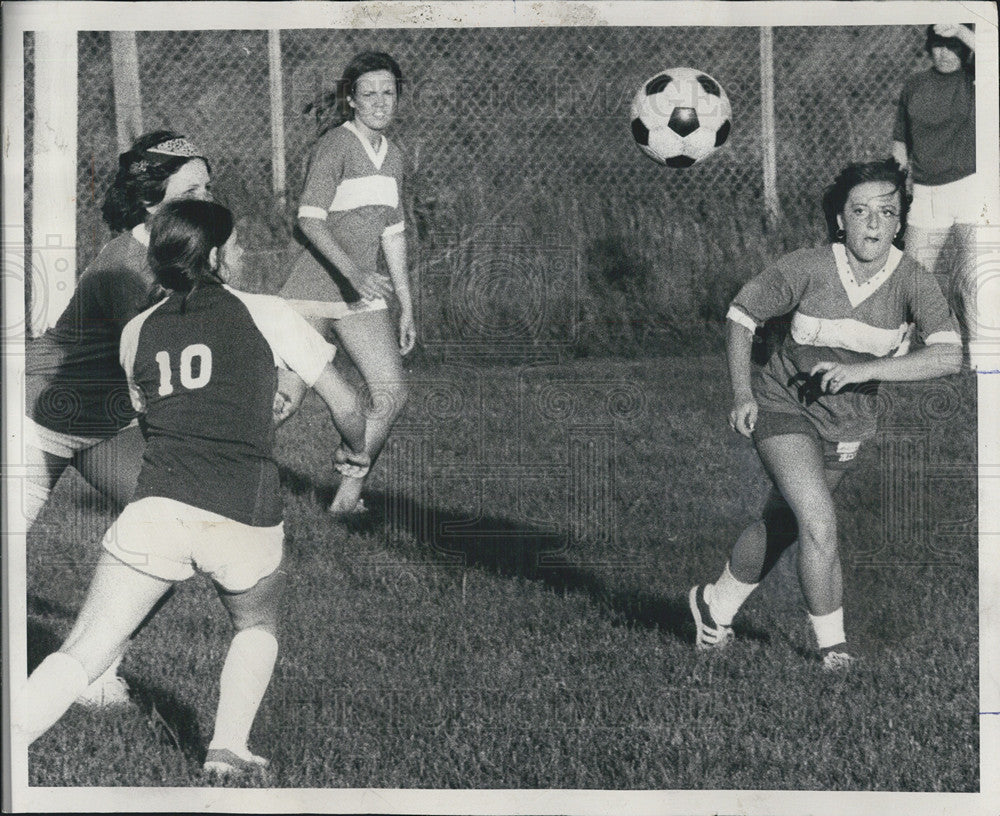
x,y
182,234
331,108
835,196
965,54
141,180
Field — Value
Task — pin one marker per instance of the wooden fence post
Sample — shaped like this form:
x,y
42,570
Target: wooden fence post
x,y
767,134
53,179
277,118
128,94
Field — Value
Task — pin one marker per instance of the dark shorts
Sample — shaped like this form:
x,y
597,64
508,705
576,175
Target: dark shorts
x,y
839,455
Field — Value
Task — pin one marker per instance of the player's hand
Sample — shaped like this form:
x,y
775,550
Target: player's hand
x,y
837,376
372,287
282,408
946,29
407,333
743,417
351,464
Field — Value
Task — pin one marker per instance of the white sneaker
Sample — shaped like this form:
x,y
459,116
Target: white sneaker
x,y
105,692
837,658
360,510
224,762
709,635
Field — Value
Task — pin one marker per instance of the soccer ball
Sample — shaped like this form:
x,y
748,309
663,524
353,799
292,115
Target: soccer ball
x,y
680,116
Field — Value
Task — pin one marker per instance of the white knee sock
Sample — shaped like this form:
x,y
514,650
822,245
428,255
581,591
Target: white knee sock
x,y
245,676
50,691
829,628
726,596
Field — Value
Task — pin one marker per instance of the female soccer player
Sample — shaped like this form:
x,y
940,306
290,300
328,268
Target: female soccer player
x,y
935,139
352,206
77,404
201,372
809,409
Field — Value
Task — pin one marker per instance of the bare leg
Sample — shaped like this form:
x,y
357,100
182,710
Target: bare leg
x,y
44,470
965,286
795,464
761,544
249,662
369,339
118,599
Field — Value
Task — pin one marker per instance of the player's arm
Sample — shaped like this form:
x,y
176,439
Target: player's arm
x,y
900,154
901,130
394,247
937,360
940,356
775,291
300,348
288,396
345,273
959,32
739,345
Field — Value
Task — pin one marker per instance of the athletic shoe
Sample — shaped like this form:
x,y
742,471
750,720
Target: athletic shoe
x,y
837,658
708,633
223,762
359,511
105,693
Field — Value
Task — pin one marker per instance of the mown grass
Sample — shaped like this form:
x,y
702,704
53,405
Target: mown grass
x,y
477,631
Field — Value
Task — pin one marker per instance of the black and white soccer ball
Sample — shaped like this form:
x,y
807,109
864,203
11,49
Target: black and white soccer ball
x,y
680,117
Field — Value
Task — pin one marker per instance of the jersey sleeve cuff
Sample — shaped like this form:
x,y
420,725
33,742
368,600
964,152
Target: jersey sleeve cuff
x,y
393,229
942,338
737,315
308,211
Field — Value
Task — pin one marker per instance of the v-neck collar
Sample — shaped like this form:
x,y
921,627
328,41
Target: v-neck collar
x,y
377,156
857,293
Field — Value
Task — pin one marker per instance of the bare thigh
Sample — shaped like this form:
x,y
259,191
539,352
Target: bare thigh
x,y
795,465
369,339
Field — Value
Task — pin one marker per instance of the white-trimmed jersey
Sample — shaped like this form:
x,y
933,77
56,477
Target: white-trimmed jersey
x,y
201,372
837,319
357,191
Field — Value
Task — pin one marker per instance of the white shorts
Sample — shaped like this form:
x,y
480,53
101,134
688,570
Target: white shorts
x,y
336,309
940,206
169,539
63,445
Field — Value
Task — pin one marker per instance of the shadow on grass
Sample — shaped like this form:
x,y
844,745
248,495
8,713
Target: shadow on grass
x,y
513,550
42,639
175,722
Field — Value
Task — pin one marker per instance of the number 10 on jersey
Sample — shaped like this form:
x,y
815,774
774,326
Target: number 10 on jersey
x,y
190,380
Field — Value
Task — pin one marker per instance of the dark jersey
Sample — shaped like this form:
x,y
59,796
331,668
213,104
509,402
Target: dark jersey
x,y
936,120
201,369
74,382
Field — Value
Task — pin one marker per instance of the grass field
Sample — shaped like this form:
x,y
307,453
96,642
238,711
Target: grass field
x,y
512,613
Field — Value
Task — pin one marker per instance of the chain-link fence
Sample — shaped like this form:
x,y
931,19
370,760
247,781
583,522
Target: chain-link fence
x,y
505,114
